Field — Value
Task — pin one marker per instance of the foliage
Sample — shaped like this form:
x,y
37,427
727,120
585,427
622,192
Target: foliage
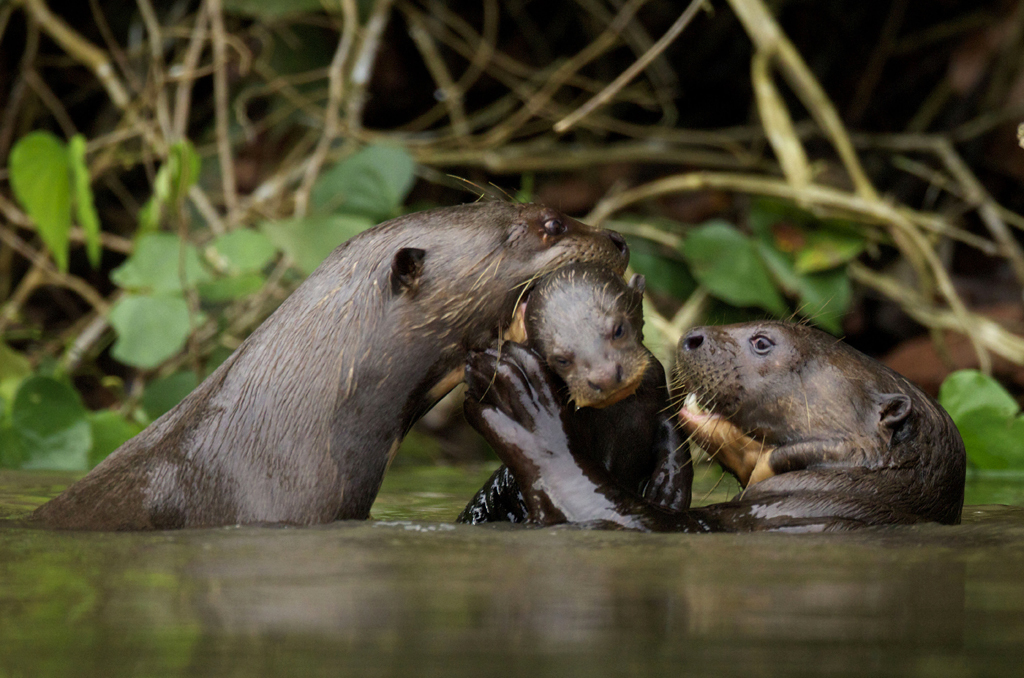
x,y
989,420
207,182
45,424
790,256
47,177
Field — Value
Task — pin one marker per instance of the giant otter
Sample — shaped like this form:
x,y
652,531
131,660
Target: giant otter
x,y
300,422
825,437
587,325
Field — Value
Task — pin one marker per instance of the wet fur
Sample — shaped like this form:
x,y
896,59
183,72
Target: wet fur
x,y
860,445
298,424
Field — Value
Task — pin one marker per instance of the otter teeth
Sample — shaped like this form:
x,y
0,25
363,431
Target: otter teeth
x,y
692,405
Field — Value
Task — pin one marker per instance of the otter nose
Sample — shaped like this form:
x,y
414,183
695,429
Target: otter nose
x,y
606,378
619,242
693,340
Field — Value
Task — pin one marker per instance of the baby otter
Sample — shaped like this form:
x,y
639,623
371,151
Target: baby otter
x,y
299,424
587,325
825,437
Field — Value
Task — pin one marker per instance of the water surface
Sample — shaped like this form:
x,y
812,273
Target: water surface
x,y
411,594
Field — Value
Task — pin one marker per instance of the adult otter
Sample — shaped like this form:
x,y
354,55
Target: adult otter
x,y
845,442
587,325
298,425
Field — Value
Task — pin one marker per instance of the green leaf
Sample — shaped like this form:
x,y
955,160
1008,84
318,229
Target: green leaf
x,y
88,219
150,329
727,263
986,415
41,181
823,297
992,440
12,454
827,249
372,182
966,390
308,241
173,180
663,274
241,251
163,394
49,419
235,287
155,266
109,431
14,367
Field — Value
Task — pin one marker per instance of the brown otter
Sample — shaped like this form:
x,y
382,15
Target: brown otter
x,y
846,442
587,324
298,425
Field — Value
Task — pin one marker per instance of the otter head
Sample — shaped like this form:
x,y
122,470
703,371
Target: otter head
x,y
452,278
746,390
587,323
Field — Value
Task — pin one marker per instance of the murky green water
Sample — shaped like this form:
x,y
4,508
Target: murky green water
x,y
413,595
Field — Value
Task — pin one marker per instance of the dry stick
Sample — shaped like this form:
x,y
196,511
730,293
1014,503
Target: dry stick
x,y
220,97
940,180
115,49
777,123
766,35
336,90
13,103
362,69
545,156
80,49
635,69
29,282
662,77
450,92
479,56
875,210
183,95
974,193
990,334
51,102
542,96
66,280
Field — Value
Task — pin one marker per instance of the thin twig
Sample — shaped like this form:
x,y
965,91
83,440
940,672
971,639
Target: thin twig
x,y
220,97
605,95
336,90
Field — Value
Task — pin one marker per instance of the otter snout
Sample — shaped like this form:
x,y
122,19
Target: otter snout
x,y
620,244
606,378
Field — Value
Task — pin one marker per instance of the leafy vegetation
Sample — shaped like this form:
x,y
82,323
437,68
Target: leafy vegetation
x,y
174,172
989,420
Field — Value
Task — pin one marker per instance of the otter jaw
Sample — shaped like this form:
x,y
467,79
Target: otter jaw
x,y
745,457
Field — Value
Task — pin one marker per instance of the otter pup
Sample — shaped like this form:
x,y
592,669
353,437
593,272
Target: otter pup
x,y
587,325
299,424
826,438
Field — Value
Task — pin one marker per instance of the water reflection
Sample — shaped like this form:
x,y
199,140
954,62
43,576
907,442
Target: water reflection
x,y
437,599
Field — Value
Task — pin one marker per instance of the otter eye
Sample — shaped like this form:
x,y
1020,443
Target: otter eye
x,y
560,361
619,331
554,226
761,344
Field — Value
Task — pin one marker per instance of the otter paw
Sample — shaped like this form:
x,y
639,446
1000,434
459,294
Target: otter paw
x,y
511,399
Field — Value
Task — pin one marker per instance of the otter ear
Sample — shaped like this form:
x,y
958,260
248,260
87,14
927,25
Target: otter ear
x,y
893,409
406,269
638,283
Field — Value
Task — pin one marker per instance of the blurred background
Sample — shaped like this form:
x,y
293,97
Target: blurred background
x,y
172,169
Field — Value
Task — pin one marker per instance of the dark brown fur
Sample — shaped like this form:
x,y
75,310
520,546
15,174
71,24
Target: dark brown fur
x,y
587,324
847,442
298,425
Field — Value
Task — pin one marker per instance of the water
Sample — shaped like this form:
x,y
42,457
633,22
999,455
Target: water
x,y
411,594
